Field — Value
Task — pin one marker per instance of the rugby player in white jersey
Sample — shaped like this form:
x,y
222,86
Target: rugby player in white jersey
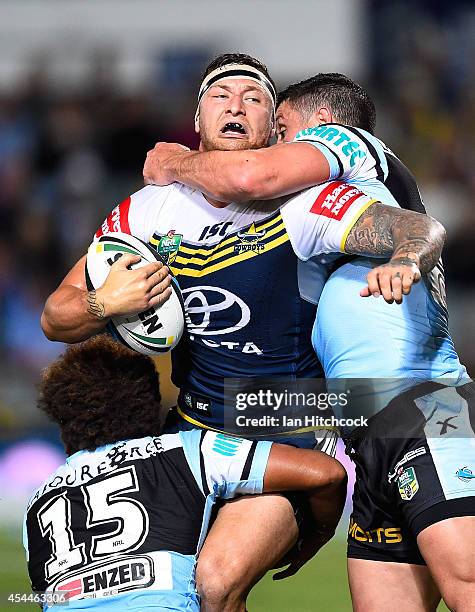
x,y
414,490
232,262
119,525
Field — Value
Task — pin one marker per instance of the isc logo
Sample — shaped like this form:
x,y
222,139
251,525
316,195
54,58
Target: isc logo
x,y
219,229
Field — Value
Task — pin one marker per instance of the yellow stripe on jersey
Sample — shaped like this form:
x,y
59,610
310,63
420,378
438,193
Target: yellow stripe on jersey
x,y
197,423
296,432
353,222
221,252
292,432
220,247
190,250
228,262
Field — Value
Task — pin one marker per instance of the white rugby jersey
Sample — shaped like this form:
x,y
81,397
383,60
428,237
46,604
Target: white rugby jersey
x,y
250,276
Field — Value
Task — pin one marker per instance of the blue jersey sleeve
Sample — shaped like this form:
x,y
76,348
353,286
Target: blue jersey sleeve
x,y
225,466
352,153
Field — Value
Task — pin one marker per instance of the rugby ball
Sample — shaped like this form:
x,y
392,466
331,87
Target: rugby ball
x,y
158,329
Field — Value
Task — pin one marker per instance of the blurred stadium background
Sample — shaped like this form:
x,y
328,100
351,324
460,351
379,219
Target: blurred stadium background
x,y
86,88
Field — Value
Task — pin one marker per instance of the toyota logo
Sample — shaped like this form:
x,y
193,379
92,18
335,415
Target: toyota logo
x,y
202,302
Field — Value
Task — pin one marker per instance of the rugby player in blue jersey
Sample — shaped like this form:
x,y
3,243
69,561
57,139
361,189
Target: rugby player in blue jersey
x,y
415,492
232,262
119,525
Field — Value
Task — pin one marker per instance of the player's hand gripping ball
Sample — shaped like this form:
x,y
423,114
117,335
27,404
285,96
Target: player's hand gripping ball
x,y
159,328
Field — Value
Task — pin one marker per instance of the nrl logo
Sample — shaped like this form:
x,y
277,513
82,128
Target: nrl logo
x,y
407,483
168,245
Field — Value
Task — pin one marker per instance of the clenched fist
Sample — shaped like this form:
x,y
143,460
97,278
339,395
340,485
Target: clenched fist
x,y
392,280
156,170
128,292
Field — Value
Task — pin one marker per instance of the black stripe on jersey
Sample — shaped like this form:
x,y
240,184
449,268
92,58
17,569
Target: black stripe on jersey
x,y
89,285
340,165
246,470
403,186
273,220
204,481
372,150
201,265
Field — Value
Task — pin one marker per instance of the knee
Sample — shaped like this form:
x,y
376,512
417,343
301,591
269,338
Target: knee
x,y
459,592
220,582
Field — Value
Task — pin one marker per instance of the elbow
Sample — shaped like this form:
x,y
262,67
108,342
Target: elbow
x,y
437,237
49,322
337,476
47,328
439,231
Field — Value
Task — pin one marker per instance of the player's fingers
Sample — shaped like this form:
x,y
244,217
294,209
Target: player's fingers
x,y
385,286
125,261
373,284
157,277
365,292
160,287
396,283
407,282
409,279
152,268
158,300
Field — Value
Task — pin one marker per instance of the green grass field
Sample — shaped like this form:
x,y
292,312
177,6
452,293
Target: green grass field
x,y
319,586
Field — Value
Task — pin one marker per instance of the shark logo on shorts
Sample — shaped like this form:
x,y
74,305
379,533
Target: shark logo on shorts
x,y
407,483
465,474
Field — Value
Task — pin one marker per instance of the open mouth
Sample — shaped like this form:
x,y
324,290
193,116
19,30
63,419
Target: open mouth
x,y
234,128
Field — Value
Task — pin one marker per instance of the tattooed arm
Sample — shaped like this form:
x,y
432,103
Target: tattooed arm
x,y
72,313
413,241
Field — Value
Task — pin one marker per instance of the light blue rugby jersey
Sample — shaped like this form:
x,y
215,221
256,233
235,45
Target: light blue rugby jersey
x,y
357,337
120,528
354,156
367,338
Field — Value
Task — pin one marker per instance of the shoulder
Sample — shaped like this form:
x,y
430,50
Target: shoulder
x,y
328,199
154,192
349,143
58,473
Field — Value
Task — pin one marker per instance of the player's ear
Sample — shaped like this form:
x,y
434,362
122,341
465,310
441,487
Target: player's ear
x,y
197,123
323,115
273,126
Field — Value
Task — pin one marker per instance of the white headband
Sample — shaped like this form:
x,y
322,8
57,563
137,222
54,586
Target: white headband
x,y
236,71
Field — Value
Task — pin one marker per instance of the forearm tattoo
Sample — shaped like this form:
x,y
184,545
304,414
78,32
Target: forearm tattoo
x,y
94,307
409,237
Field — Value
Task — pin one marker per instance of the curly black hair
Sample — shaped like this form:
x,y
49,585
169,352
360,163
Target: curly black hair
x,y
348,101
100,392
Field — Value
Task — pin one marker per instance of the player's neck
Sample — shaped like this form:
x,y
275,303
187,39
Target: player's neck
x,y
216,203
212,201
